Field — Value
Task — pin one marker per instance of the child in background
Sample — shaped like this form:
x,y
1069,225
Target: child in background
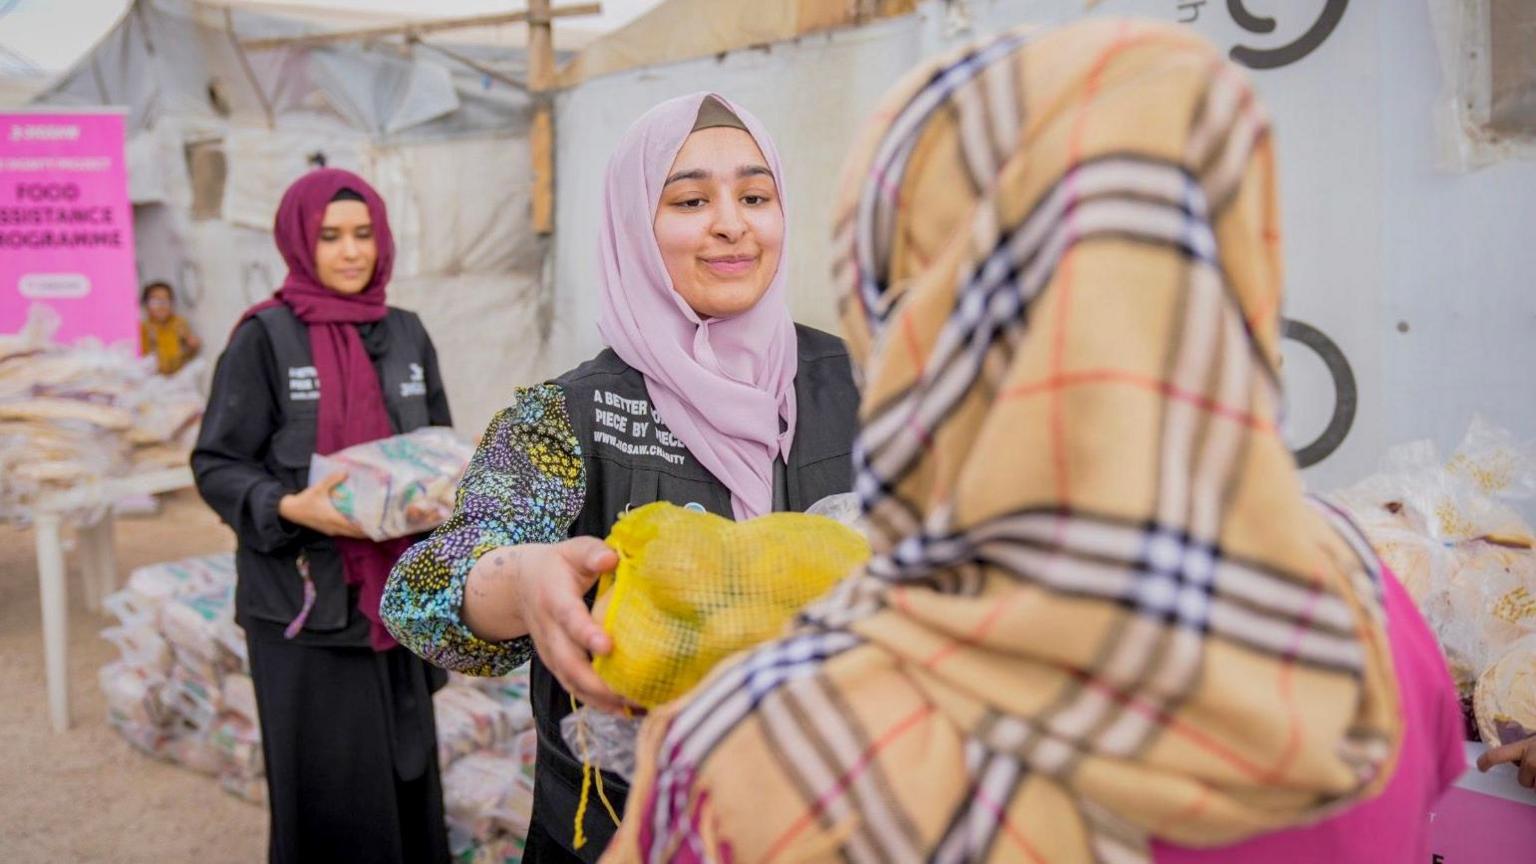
x,y
163,333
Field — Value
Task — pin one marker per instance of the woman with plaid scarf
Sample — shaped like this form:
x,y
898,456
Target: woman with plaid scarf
x,y
1102,622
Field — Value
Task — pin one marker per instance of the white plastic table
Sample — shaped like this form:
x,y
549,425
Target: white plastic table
x,y
98,560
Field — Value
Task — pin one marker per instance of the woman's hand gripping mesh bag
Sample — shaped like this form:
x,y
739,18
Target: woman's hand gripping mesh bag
x,y
693,588
661,648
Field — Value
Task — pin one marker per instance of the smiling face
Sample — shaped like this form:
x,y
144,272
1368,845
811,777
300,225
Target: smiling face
x,y
719,224
346,252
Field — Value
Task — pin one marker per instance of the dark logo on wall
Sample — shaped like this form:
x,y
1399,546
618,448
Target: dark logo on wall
x,y
1271,58
1346,398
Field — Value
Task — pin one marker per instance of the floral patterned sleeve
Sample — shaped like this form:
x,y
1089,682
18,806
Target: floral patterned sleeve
x,y
525,485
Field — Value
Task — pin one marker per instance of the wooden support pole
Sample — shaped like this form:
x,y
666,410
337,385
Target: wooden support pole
x,y
422,28
541,45
542,143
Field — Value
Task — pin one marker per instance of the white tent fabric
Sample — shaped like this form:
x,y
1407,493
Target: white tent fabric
x,y
40,38
445,146
1420,278
176,58
261,164
490,337
461,206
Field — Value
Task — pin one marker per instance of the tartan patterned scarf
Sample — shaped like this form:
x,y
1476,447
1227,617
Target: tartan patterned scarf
x,y
1100,609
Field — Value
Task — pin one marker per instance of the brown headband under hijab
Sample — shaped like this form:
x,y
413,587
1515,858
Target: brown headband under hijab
x,y
714,114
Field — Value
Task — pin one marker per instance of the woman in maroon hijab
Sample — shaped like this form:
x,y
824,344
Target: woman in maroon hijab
x,y
346,715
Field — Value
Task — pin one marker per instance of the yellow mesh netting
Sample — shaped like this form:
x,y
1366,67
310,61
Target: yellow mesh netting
x,y
693,588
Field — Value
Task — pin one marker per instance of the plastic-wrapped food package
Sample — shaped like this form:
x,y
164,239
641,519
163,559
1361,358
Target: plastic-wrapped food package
x,y
1450,500
461,844
602,740
192,697
485,793
141,644
238,743
133,694
473,786
467,720
36,333
149,739
518,712
1489,605
524,747
1506,696
192,624
198,667
187,576
202,712
1447,529
510,690
844,507
195,752
131,608
44,453
1421,562
252,789
240,695
231,637
502,849
71,414
166,408
397,486
514,812
1494,461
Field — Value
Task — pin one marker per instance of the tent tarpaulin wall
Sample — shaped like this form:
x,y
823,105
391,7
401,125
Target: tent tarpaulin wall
x,y
1419,278
180,58
489,332
446,146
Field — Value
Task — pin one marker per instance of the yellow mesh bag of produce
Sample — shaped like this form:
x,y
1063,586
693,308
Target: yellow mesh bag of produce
x,y
693,588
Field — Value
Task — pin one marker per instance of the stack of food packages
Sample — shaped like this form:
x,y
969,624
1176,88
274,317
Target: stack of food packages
x,y
73,414
181,691
486,747
1451,532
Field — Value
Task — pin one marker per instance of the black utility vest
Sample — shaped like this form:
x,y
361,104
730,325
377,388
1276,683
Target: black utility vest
x,y
273,591
631,459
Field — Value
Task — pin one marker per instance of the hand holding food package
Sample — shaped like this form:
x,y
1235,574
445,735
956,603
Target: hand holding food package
x,y
397,486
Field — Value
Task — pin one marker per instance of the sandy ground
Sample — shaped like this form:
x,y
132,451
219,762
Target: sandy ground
x,y
85,795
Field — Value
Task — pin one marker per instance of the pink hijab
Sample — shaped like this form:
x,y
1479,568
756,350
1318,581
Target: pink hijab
x,y
721,385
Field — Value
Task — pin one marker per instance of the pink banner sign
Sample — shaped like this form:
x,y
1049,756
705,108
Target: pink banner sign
x,y
66,225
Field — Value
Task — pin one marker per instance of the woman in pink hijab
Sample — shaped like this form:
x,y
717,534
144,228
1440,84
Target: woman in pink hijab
x,y
708,396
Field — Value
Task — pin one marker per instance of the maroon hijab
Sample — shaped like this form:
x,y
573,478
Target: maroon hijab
x,y
352,409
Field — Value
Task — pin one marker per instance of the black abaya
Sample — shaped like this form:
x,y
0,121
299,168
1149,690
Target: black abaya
x,y
352,774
